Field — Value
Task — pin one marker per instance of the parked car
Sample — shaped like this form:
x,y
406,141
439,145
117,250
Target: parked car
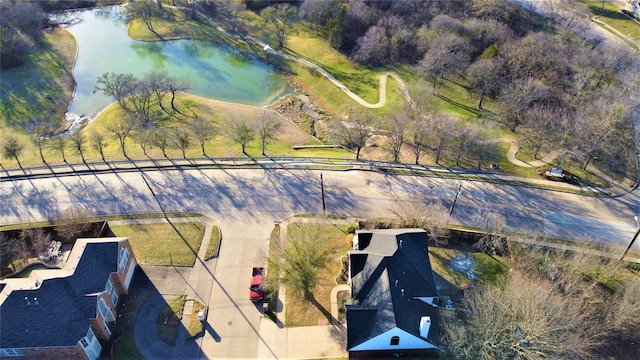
x,y
256,293
556,174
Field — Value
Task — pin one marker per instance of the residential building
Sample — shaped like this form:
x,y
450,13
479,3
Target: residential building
x,y
633,7
65,313
393,311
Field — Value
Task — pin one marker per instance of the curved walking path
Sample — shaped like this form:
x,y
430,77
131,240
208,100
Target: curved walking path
x,y
383,78
513,151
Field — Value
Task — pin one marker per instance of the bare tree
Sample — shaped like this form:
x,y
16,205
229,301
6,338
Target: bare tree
x,y
203,130
280,16
463,138
624,315
539,126
180,139
267,127
14,250
39,240
355,132
396,125
189,7
22,26
121,127
420,136
240,130
59,143
144,138
446,56
602,122
295,260
145,11
493,225
78,141
37,129
98,142
175,85
161,140
518,97
75,222
374,47
231,10
118,86
526,318
430,216
140,99
12,148
10,249
442,128
488,76
503,11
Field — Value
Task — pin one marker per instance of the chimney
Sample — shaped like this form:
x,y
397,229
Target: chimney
x,y
26,300
35,301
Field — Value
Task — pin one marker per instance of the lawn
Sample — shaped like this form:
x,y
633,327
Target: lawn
x,y
163,244
484,268
196,327
43,86
124,346
214,244
172,25
169,320
219,146
301,312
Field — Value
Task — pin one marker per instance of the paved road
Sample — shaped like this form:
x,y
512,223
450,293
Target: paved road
x,y
248,195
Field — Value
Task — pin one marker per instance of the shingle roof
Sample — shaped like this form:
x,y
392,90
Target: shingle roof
x,y
388,271
59,316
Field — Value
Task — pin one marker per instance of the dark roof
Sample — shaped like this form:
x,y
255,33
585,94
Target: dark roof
x,y
64,305
387,272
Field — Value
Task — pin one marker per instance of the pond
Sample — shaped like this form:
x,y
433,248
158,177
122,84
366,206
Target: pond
x,y
215,71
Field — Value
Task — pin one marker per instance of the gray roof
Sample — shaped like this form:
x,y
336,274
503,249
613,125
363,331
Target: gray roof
x,y
64,305
388,271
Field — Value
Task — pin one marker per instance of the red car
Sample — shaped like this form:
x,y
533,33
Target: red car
x,y
256,293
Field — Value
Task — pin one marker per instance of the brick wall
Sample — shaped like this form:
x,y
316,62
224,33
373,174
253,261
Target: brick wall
x,y
57,353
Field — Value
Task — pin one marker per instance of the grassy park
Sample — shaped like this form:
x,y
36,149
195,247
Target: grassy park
x,y
50,71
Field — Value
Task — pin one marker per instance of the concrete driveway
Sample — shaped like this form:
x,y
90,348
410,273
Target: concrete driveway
x,y
233,320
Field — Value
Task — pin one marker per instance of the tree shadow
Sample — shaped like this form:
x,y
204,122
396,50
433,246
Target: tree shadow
x,y
309,297
470,109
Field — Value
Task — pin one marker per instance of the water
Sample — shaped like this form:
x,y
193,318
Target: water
x,y
215,71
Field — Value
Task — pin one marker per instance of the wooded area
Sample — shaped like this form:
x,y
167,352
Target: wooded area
x,y
547,84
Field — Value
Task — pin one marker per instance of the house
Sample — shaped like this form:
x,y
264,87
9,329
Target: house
x,y
65,313
633,7
393,311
